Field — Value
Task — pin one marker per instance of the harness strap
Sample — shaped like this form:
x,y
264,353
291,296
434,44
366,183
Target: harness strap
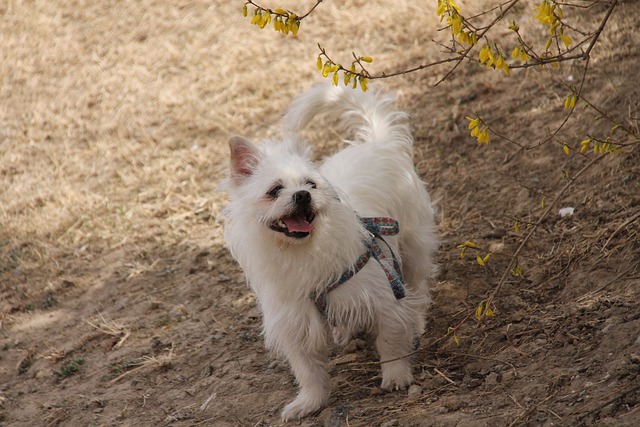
x,y
377,227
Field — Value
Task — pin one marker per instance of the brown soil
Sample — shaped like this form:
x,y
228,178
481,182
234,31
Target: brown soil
x,y
120,305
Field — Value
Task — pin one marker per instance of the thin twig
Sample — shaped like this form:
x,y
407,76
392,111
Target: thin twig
x,y
535,227
600,28
530,411
273,12
444,376
479,36
603,401
615,233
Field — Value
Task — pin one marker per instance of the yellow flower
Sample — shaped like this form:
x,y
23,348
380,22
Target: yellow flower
x,y
326,69
265,19
501,64
256,17
517,271
347,78
566,40
473,122
363,84
278,25
456,23
516,52
335,78
484,136
295,26
506,68
480,308
570,102
492,59
524,56
244,10
484,54
565,148
319,63
545,13
548,44
584,145
367,59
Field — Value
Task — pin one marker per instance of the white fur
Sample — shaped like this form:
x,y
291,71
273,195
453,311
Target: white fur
x,y
373,176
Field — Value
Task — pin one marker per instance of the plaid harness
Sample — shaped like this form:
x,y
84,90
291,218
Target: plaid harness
x,y
376,227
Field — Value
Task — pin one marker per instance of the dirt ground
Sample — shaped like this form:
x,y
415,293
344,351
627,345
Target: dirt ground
x,y
120,305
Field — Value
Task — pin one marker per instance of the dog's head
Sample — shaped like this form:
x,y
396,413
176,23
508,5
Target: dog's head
x,y
276,187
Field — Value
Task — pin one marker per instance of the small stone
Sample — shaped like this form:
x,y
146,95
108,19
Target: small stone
x,y
390,423
491,379
414,391
336,416
376,391
354,345
273,365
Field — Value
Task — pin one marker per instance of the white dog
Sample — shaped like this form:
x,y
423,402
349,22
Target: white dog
x,y
320,245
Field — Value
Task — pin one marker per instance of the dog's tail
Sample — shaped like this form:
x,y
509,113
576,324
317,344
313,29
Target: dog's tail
x,y
370,116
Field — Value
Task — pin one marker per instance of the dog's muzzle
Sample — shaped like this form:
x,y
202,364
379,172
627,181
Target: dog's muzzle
x,y
297,224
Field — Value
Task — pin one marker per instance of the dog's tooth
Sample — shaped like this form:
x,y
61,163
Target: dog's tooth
x,y
281,224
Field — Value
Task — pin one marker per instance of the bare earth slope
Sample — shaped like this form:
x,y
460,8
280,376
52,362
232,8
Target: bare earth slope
x,y
120,306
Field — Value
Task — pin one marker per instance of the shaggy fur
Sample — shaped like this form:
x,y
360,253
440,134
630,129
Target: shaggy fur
x,y
294,228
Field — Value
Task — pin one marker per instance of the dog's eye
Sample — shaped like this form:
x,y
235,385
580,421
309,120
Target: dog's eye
x,y
275,191
311,184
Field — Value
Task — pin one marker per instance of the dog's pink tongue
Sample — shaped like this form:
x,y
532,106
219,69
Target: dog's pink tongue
x,y
297,224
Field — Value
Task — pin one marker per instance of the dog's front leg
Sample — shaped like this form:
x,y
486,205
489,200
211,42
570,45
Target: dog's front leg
x,y
305,347
308,366
298,332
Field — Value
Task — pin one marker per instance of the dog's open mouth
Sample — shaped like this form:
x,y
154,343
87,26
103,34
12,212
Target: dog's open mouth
x,y
296,225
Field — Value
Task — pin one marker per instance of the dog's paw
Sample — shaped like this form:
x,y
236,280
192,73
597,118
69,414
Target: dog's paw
x,y
396,375
301,407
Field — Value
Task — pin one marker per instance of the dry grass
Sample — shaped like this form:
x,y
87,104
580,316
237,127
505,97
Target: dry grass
x,y
162,361
111,328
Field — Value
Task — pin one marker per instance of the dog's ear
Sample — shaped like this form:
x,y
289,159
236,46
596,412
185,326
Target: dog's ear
x,y
243,160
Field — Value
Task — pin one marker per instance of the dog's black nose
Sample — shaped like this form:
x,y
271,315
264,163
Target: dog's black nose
x,y
302,197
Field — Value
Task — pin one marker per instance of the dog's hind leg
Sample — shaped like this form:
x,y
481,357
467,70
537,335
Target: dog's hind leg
x,y
419,269
394,341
